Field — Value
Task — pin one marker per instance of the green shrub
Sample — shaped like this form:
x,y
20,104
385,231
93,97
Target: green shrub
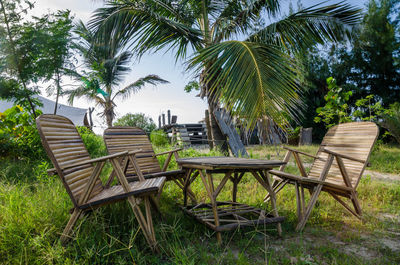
x,y
137,120
159,138
93,142
19,138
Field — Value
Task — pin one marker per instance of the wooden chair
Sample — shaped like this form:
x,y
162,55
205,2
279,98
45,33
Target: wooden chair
x,y
123,138
81,175
337,168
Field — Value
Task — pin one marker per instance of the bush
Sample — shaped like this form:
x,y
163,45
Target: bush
x,y
19,138
137,120
94,143
159,138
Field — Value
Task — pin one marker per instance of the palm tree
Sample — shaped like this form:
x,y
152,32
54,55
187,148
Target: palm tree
x,y
244,64
107,66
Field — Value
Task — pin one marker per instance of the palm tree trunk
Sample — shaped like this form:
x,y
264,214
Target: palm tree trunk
x,y
218,139
109,117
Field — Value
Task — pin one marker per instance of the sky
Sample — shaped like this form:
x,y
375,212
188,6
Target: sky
x,y
151,100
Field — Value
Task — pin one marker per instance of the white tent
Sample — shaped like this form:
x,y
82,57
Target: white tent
x,y
77,115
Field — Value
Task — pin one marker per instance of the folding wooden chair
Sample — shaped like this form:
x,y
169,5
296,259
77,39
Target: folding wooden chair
x,y
337,168
81,175
123,138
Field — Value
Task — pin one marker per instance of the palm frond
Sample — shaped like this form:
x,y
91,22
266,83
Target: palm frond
x,y
139,84
238,16
251,80
147,25
116,68
310,26
82,91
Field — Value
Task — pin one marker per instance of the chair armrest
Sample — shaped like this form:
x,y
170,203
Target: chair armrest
x,y
302,153
343,156
167,152
100,159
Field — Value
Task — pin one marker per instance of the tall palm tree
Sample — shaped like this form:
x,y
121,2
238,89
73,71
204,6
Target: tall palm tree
x,y
242,63
107,65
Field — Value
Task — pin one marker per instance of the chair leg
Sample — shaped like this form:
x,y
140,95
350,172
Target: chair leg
x,y
356,204
298,201
309,208
70,225
144,225
356,212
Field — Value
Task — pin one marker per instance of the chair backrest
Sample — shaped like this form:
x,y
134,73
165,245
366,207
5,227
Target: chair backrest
x,y
123,138
354,139
64,146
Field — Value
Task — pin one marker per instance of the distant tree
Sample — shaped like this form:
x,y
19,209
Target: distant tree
x,y
17,52
371,65
391,120
106,65
137,120
316,68
57,58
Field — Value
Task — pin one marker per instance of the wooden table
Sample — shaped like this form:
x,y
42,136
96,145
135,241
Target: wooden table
x,y
223,216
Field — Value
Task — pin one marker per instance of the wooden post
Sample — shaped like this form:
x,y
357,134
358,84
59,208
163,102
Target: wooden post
x,y
208,125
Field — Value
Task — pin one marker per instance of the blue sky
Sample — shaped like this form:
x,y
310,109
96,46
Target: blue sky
x,y
152,100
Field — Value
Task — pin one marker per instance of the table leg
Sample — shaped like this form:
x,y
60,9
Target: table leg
x,y
235,181
214,206
186,186
234,189
273,201
209,185
265,182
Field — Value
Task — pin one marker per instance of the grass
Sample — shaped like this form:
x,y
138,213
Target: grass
x,y
34,209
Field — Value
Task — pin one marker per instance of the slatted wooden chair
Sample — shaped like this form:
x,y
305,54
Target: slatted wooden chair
x,y
124,138
337,168
81,175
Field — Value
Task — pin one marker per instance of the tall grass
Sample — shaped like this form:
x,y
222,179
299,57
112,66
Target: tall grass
x,y
34,209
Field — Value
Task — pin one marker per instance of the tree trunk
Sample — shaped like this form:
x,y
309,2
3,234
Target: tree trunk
x,y
109,113
218,139
58,92
109,117
208,125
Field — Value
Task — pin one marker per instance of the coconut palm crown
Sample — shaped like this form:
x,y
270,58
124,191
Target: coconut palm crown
x,y
107,64
243,63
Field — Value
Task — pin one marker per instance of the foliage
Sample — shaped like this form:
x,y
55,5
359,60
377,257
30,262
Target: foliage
x,y
137,120
93,142
16,68
159,138
253,76
371,64
57,58
106,66
368,109
19,137
336,109
391,120
293,134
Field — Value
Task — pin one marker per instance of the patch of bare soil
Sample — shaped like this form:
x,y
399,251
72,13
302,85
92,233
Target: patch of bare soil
x,y
382,176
